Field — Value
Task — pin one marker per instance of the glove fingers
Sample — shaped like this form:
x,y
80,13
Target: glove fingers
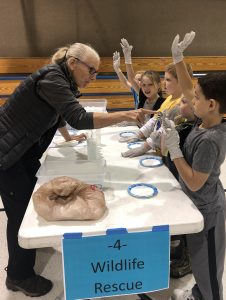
x,y
191,37
116,55
185,41
125,45
175,41
122,45
188,38
128,153
125,42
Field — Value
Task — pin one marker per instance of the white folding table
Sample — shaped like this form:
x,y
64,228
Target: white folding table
x,y
170,206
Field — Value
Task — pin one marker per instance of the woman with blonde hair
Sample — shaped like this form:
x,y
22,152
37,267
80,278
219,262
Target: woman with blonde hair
x,y
41,104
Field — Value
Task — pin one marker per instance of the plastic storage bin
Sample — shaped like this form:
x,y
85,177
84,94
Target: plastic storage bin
x,y
92,172
94,105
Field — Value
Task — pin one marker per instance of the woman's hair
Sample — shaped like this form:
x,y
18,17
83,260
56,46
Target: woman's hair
x,y
213,86
155,78
77,50
172,70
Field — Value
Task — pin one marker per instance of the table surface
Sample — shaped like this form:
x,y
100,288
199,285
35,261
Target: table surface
x,y
170,206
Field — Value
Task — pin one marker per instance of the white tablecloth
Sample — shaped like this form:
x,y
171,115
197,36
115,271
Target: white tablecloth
x,y
170,206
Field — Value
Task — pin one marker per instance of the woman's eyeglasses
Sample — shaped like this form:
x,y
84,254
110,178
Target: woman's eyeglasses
x,y
92,71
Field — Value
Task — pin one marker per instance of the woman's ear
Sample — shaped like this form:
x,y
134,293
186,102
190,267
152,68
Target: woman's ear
x,y
72,63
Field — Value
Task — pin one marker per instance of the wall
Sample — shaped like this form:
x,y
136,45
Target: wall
x,y
38,27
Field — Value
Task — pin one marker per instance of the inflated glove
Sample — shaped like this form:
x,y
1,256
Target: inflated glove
x,y
116,61
172,140
126,48
149,127
179,47
131,139
136,151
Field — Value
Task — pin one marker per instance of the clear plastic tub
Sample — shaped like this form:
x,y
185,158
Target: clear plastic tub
x,y
94,105
92,172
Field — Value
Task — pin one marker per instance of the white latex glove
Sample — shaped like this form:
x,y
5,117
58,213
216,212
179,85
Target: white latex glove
x,y
126,48
136,151
166,123
149,127
154,139
116,61
179,47
172,141
131,139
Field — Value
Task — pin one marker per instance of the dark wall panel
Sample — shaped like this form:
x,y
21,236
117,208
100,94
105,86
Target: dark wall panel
x,y
38,27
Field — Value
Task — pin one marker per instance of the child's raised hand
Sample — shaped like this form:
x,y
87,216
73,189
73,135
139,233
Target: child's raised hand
x,y
179,47
116,60
126,48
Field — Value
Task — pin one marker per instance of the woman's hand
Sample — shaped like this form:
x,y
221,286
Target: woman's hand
x,y
139,115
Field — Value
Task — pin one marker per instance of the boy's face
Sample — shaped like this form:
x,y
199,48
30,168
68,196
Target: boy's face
x,y
171,85
201,104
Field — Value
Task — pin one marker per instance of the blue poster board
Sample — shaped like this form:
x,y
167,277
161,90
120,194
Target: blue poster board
x,y
118,263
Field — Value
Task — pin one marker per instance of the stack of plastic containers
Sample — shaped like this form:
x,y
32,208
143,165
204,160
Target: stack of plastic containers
x,y
92,172
87,165
94,105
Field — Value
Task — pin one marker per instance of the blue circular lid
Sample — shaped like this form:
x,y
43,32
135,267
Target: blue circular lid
x,y
151,161
142,190
134,145
127,133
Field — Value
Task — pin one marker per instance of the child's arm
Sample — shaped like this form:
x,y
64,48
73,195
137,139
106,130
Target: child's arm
x,y
116,65
126,48
64,132
194,180
183,76
153,142
148,127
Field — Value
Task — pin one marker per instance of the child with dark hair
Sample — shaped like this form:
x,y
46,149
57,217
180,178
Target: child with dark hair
x,y
180,259
198,166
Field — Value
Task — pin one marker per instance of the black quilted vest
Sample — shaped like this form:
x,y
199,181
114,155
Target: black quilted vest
x,y
26,120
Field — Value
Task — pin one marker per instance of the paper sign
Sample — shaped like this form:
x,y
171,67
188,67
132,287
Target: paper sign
x,y
118,263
